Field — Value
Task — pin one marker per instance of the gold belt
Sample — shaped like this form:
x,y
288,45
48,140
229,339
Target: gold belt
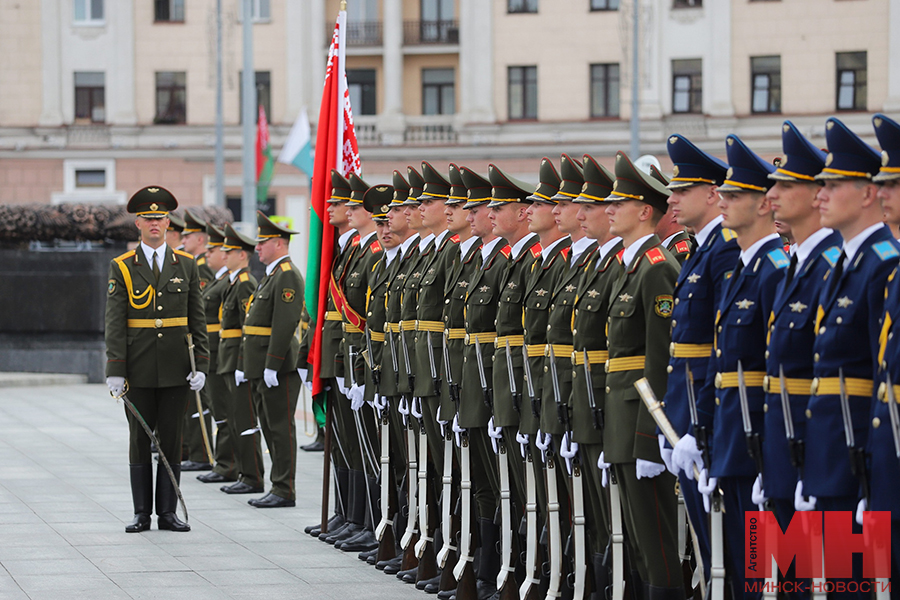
x,y
377,336
800,387
595,357
730,380
350,328
213,327
822,386
534,350
882,392
230,333
690,350
252,330
514,341
432,326
484,337
392,327
625,363
333,315
559,350
407,325
157,323
456,334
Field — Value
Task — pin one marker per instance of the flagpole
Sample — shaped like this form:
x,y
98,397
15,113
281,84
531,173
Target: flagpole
x,y
248,117
220,143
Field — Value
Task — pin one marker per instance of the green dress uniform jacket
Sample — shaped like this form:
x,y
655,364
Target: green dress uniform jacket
x,y
147,321
332,333
680,246
430,307
376,310
394,278
358,275
546,272
481,314
639,332
408,315
510,326
213,295
272,319
206,273
232,312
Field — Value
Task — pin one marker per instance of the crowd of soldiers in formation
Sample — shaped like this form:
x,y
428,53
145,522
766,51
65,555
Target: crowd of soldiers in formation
x,y
490,350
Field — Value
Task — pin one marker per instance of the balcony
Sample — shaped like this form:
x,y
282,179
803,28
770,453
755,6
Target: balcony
x,y
363,33
417,33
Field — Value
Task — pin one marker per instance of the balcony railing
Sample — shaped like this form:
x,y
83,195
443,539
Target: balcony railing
x,y
363,33
428,130
430,32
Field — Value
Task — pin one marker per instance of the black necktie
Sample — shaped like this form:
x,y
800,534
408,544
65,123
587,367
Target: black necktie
x,y
737,270
838,270
156,266
792,268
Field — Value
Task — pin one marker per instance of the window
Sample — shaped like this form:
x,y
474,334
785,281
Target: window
x,y
235,205
171,97
438,22
361,84
88,12
89,180
851,81
90,97
263,94
260,10
605,90
438,92
687,86
522,92
604,5
521,6
687,3
765,79
169,11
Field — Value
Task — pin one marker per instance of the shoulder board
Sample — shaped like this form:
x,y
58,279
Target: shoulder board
x,y
728,234
244,277
683,246
885,250
655,255
201,260
285,266
506,251
620,254
128,254
375,246
831,255
565,252
779,258
183,253
536,250
355,241
455,239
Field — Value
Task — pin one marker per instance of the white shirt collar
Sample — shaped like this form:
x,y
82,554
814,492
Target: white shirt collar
x,y
466,245
546,250
344,238
703,235
390,254
749,254
233,275
405,244
221,272
271,266
852,246
487,248
520,245
803,249
578,248
632,250
365,238
666,241
439,238
423,243
603,250
149,252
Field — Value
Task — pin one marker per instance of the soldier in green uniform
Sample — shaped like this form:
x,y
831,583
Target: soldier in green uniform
x,y
674,237
173,231
216,388
240,412
153,301
193,240
639,332
268,358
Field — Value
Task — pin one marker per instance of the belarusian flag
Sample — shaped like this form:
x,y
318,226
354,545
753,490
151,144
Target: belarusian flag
x,y
265,164
336,148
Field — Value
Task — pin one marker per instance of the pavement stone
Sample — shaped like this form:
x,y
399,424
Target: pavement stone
x,y
65,499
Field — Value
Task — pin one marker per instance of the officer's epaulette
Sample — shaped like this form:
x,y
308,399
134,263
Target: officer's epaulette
x,y
728,234
831,255
375,247
683,246
620,254
885,250
655,255
506,251
285,266
536,250
128,254
355,240
455,239
183,253
244,277
779,258
201,261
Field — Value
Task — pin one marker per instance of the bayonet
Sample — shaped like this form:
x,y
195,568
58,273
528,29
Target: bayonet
x,y
370,359
701,435
410,376
596,411
535,401
434,374
857,455
516,395
753,443
351,352
451,386
562,408
893,412
795,444
488,394
393,350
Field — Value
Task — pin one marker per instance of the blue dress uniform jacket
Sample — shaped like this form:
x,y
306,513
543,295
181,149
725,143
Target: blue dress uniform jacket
x,y
741,336
884,468
791,335
698,291
848,323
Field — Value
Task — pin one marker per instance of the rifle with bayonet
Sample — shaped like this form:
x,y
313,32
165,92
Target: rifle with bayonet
x,y
532,395
562,406
857,454
795,444
369,357
485,389
754,447
596,411
452,386
435,377
513,389
701,433
409,539
891,400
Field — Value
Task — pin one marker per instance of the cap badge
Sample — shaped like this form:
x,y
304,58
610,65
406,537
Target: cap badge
x,y
584,187
673,140
785,128
730,173
730,141
384,208
152,190
829,125
616,184
381,188
877,121
829,159
675,171
154,206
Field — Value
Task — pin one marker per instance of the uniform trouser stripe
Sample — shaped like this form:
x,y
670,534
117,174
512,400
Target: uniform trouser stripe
x,y
192,434
596,499
163,410
241,417
484,473
223,447
276,408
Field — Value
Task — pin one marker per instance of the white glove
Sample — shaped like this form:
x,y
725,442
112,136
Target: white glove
x,y
116,385
862,507
543,442
706,486
303,374
496,434
196,380
239,377
666,454
457,430
568,450
604,468
341,386
685,455
758,494
357,396
441,422
522,438
647,469
270,376
799,502
379,403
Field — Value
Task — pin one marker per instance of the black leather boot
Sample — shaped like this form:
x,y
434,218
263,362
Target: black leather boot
x,y
349,499
489,561
341,489
659,593
365,540
142,497
167,500
601,576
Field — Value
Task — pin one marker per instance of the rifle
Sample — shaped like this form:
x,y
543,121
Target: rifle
x,y
596,411
562,408
754,447
795,444
488,393
857,455
451,385
535,400
893,412
516,394
369,357
701,434
435,378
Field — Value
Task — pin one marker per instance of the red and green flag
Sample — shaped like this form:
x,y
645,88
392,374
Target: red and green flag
x,y
265,163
